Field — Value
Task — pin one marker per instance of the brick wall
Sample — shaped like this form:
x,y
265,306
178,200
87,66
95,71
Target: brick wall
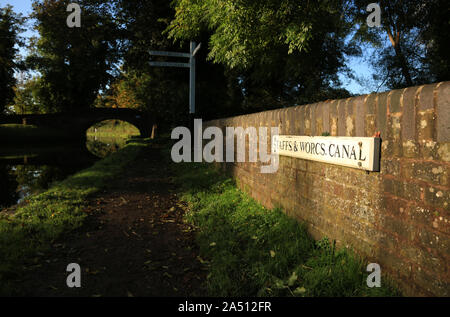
x,y
399,217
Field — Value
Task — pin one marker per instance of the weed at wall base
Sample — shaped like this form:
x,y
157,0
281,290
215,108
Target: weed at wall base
x,y
253,251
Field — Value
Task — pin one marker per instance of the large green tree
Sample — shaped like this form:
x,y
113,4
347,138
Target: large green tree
x,y
285,52
75,63
10,26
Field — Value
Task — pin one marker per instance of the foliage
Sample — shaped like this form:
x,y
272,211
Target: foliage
x,y
437,37
287,52
27,97
256,55
415,52
10,26
164,91
253,251
243,29
75,63
145,91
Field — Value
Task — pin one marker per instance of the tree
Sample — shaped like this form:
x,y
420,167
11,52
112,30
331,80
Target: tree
x,y
415,32
437,37
246,30
26,96
286,52
164,92
10,26
75,63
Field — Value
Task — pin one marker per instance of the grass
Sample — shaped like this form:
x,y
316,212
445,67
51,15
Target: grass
x,y
32,229
113,128
253,251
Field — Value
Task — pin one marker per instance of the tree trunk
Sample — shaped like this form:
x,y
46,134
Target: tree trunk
x,y
403,65
401,57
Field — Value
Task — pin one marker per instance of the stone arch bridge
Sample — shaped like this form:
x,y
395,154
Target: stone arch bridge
x,y
76,124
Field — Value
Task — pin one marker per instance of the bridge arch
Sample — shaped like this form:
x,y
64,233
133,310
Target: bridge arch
x,y
133,117
119,127
76,124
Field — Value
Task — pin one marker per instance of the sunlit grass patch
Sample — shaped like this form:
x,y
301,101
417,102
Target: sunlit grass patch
x,y
253,251
113,128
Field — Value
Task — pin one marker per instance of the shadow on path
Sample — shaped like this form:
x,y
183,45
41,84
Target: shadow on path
x,y
134,242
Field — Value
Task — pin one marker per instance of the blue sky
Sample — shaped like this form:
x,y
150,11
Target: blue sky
x,y
20,6
358,65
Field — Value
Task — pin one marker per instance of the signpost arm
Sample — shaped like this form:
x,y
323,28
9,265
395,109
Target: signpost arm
x,y
193,50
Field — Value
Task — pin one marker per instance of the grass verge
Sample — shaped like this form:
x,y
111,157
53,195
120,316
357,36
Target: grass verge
x,y
113,128
32,229
253,251
18,133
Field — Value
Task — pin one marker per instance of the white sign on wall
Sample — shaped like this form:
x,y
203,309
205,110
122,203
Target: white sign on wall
x,y
356,152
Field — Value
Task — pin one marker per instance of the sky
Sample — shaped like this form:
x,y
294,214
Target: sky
x,y
358,65
20,6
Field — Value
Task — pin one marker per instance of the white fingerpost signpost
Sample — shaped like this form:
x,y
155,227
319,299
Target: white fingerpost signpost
x,y
191,65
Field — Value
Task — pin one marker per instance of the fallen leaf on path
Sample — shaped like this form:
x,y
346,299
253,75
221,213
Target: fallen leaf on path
x,y
136,234
201,260
167,275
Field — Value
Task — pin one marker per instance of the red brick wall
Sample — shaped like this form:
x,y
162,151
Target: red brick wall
x,y
399,217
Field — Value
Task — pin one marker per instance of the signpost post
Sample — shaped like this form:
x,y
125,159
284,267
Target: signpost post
x,y
191,65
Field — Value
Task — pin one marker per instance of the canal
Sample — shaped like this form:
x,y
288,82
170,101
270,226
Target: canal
x,y
26,170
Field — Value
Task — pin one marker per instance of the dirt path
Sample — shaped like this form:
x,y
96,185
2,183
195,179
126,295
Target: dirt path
x,y
134,242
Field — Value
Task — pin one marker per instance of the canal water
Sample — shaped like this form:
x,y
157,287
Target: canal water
x,y
25,171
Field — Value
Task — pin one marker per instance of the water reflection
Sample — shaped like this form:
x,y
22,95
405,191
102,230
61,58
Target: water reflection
x,y
25,171
8,185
